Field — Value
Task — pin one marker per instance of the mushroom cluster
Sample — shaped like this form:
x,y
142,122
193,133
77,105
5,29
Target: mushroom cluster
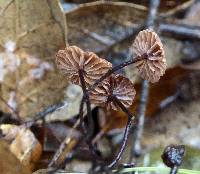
x,y
151,64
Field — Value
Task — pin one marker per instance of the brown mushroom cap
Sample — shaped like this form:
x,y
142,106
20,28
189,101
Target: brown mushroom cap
x,y
116,85
148,45
72,59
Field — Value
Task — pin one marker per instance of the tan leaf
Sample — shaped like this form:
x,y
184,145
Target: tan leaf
x,y
9,164
22,143
31,29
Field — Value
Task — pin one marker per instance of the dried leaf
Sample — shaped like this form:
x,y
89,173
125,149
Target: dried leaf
x,y
148,45
71,60
22,143
115,85
98,25
9,164
26,36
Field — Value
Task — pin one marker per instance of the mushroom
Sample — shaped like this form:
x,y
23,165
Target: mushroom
x,y
115,86
73,59
147,45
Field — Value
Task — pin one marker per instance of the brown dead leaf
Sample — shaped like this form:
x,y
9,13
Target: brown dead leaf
x,y
9,164
30,34
99,25
23,144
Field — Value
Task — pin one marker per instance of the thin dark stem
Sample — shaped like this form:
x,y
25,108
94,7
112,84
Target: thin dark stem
x,y
126,132
174,170
81,117
44,113
90,129
89,113
116,68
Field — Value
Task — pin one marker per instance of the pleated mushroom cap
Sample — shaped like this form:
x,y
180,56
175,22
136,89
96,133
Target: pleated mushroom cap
x,y
116,85
72,59
148,45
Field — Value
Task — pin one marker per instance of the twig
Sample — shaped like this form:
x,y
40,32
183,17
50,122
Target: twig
x,y
45,112
141,114
136,148
5,8
180,31
14,112
61,152
126,132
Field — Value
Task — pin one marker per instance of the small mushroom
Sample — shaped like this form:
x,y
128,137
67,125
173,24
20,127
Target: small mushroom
x,y
73,59
173,157
147,45
114,86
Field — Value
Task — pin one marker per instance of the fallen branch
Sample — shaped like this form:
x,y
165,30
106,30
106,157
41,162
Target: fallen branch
x,y
180,31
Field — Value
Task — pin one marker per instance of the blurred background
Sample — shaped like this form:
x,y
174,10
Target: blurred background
x,y
31,87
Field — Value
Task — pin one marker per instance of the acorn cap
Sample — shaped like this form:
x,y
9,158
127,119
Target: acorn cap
x,y
72,59
148,46
116,85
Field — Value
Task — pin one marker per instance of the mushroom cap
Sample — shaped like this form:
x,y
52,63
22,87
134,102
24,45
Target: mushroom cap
x,y
116,85
148,45
73,59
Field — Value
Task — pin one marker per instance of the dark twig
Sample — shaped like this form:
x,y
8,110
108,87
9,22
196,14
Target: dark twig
x,y
154,4
44,113
180,31
126,132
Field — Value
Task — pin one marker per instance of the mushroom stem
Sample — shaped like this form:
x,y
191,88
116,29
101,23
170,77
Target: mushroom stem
x,y
116,68
126,132
86,99
81,116
174,170
90,129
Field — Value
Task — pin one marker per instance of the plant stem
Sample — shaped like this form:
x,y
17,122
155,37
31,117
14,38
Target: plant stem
x,y
82,117
116,68
90,130
174,170
126,132
89,113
